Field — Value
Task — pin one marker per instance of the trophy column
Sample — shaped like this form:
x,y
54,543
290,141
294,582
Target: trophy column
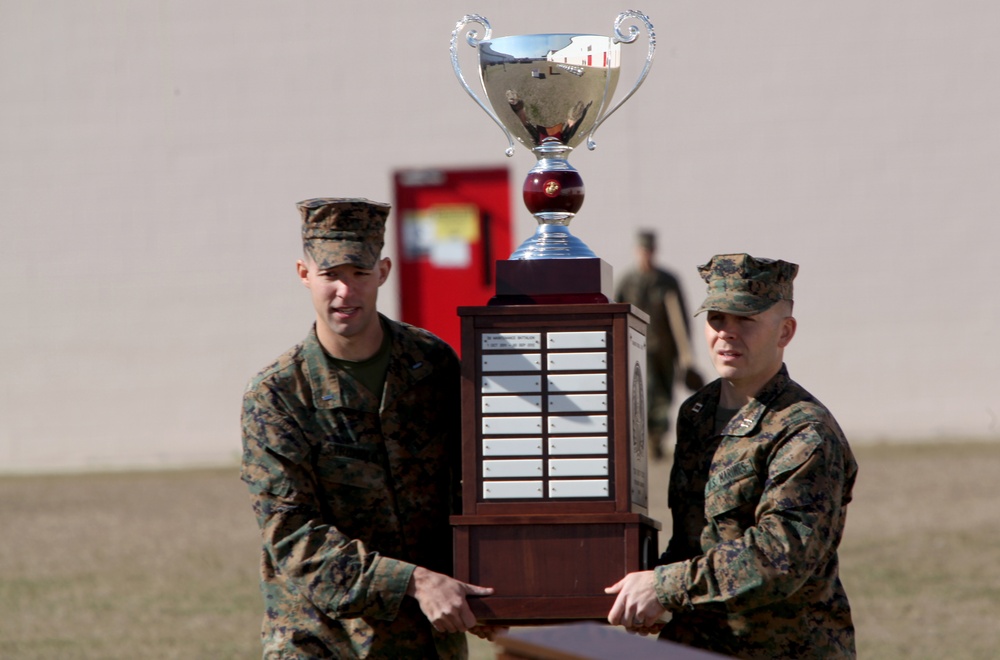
x,y
554,456
554,459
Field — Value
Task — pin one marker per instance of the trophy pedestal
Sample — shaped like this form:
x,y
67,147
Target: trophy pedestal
x,y
553,281
554,457
549,569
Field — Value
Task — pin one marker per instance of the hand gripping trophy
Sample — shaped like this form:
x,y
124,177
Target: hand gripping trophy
x,y
550,91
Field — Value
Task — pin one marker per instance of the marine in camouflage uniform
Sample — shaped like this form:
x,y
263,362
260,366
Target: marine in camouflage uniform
x,y
352,490
758,501
758,513
668,349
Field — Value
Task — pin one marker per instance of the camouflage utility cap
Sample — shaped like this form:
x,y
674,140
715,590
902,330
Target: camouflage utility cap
x,y
343,230
744,285
646,240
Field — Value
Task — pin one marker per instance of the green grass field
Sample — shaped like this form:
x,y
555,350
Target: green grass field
x,y
164,565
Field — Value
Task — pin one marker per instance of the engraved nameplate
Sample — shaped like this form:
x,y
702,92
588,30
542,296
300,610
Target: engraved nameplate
x,y
511,341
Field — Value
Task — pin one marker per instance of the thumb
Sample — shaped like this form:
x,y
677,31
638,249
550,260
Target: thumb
x,y
476,590
616,587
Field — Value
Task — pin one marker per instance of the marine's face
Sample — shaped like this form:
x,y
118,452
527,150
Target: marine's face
x,y
345,299
748,350
644,258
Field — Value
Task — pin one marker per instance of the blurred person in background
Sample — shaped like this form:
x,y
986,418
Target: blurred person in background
x,y
351,452
668,346
758,493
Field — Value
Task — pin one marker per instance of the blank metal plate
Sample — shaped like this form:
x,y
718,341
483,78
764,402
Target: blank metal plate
x,y
512,362
578,467
511,384
573,424
559,446
512,489
512,404
503,469
578,361
578,488
511,425
588,339
513,447
578,383
563,403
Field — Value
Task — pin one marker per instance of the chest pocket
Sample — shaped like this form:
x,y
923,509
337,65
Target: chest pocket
x,y
735,497
356,469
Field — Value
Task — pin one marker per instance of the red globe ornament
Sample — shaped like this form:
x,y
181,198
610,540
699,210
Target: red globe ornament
x,y
559,191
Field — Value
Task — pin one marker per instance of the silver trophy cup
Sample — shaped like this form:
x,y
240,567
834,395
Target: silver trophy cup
x,y
550,91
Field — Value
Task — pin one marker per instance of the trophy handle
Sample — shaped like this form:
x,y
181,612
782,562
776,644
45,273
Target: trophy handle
x,y
633,33
471,39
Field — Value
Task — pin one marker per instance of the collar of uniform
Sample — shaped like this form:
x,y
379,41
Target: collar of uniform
x,y
746,420
701,411
324,381
407,365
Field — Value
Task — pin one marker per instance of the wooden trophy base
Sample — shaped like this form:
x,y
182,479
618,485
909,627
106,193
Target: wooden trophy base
x,y
554,455
529,560
553,281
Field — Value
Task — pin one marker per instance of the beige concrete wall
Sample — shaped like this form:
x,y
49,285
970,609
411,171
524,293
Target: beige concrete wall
x,y
151,155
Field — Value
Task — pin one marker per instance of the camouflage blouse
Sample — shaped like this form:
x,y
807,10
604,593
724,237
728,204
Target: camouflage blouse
x,y
758,512
351,493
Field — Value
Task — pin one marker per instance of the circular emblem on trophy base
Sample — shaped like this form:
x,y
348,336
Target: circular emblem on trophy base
x,y
638,414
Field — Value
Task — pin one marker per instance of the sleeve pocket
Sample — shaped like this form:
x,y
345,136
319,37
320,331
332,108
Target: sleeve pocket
x,y
262,478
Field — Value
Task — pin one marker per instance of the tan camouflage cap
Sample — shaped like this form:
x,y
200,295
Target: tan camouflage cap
x,y
343,230
744,285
